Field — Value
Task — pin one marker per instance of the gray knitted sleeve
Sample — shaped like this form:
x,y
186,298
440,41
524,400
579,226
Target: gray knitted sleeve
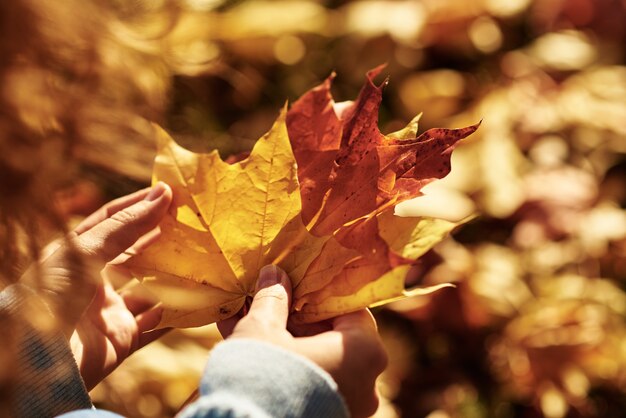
x,y
43,378
248,378
251,379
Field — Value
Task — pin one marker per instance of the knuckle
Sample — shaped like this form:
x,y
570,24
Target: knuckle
x,y
272,294
124,216
86,246
107,210
90,249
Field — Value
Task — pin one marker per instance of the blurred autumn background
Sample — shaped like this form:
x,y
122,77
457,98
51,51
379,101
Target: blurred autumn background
x,y
536,324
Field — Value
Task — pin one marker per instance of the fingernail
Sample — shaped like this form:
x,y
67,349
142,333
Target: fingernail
x,y
268,276
156,192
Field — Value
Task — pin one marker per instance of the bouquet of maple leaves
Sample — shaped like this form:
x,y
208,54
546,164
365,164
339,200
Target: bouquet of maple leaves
x,y
315,196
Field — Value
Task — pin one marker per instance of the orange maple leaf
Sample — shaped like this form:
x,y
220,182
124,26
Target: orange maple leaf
x,y
317,201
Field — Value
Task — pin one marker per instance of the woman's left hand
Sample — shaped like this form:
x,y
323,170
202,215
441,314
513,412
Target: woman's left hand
x,y
105,326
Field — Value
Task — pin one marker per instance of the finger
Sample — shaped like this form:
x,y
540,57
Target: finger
x,y
144,242
148,337
359,332
114,235
137,304
307,330
119,276
138,247
365,406
146,324
359,319
51,248
273,295
149,320
109,209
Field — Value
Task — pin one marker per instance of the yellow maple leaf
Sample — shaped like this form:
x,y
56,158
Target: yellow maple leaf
x,y
227,221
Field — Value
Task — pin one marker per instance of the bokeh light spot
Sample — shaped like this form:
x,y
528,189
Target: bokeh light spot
x,y
565,50
289,49
485,34
506,8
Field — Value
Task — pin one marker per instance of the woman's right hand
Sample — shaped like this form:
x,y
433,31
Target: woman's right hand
x,y
351,352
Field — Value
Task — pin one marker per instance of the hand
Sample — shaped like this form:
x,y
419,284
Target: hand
x,y
351,352
114,326
107,327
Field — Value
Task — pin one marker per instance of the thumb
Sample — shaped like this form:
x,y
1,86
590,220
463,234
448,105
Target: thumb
x,y
112,236
272,300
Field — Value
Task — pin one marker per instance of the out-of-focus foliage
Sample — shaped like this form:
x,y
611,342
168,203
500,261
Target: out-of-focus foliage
x,y
536,324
